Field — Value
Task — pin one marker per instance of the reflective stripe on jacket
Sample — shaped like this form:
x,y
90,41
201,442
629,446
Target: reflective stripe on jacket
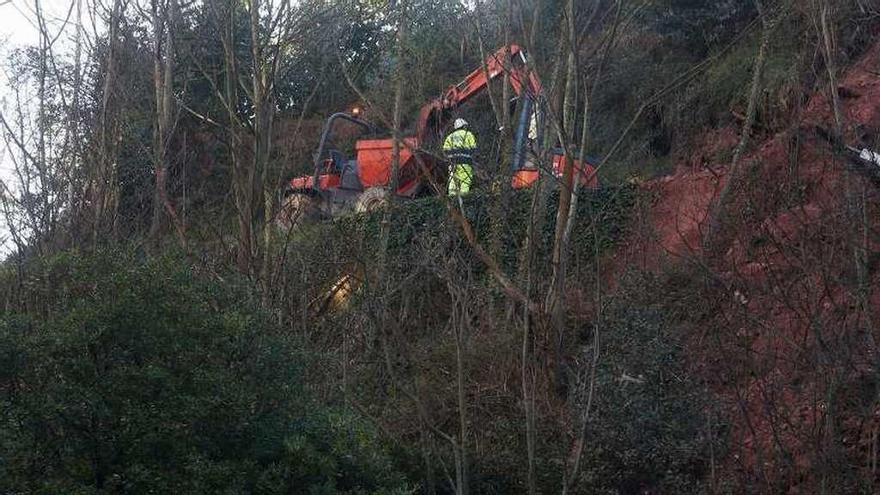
x,y
460,146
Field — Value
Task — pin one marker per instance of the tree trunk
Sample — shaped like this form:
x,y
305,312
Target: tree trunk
x,y
399,76
163,18
717,216
242,189
102,183
264,114
459,324
570,478
555,301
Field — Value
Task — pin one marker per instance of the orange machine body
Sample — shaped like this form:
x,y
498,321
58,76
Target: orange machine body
x,y
340,180
374,158
585,172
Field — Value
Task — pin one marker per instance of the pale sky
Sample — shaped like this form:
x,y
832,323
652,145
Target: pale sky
x,y
17,29
15,23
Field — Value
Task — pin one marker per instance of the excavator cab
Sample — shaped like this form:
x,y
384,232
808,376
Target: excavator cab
x,y
330,162
339,184
334,161
334,178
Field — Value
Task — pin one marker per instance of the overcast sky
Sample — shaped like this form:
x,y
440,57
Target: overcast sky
x,y
18,29
15,21
15,30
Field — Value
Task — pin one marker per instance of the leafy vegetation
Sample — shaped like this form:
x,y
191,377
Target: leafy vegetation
x,y
650,430
121,374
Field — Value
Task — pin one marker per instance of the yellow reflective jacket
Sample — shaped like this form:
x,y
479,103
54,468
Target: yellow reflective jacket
x,y
460,146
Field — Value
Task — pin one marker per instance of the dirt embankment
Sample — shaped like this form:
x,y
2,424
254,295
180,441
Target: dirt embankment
x,y
790,344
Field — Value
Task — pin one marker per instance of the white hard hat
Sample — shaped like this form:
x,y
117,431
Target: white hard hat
x,y
459,123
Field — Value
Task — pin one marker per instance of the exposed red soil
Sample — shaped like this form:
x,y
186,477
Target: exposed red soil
x,y
790,345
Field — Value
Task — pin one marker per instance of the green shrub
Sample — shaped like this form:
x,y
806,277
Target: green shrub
x,y
648,433
126,375
427,218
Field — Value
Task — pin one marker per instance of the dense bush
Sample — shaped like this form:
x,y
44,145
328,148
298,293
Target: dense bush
x,y
649,430
123,375
428,218
422,230
696,24
426,253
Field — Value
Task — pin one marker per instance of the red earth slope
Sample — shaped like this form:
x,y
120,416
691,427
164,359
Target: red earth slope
x,y
790,342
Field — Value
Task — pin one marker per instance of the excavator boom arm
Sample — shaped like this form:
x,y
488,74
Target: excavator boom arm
x,y
508,60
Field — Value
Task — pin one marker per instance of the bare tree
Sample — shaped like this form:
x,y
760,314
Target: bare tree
x,y
224,15
103,192
269,22
163,17
39,147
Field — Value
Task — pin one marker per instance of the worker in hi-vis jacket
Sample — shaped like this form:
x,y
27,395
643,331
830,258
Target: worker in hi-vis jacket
x,y
459,147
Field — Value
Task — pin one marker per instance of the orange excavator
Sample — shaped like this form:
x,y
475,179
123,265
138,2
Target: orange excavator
x,y
340,184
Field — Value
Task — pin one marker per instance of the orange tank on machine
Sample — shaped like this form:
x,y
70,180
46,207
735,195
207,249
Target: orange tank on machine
x,y
374,161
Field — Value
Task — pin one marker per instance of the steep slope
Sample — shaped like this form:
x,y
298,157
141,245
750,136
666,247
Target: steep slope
x,y
786,336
